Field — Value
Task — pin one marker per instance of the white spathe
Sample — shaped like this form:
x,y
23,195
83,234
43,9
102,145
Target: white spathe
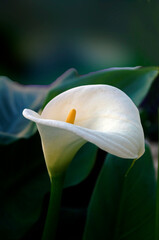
x,y
105,116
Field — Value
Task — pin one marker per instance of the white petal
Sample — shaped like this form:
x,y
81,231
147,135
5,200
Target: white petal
x,y
97,106
105,116
105,109
59,144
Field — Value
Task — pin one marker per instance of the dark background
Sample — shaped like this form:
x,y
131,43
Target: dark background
x,y
39,40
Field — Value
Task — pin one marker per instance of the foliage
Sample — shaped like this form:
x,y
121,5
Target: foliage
x,y
118,202
114,207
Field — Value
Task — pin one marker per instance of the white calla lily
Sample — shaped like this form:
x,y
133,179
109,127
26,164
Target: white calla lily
x,y
105,116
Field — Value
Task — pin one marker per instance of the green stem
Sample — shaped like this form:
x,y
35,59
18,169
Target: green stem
x,y
54,208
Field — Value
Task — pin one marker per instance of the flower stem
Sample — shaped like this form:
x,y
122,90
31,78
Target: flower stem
x,y
52,218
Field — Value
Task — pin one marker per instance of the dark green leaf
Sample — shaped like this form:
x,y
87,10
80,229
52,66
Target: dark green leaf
x,y
123,207
14,98
157,195
81,165
134,81
24,182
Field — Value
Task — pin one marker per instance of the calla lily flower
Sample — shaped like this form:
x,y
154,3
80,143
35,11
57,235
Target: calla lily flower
x,y
100,114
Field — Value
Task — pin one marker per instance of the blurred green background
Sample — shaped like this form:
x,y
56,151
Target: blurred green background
x,y
39,40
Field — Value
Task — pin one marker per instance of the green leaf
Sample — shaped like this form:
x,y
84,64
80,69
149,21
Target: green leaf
x,y
24,182
123,207
133,81
157,195
14,98
81,165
